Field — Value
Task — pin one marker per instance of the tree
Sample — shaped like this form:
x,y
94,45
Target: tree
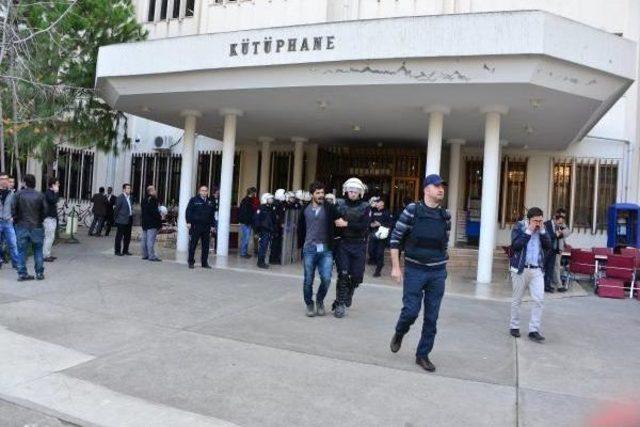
x,y
47,93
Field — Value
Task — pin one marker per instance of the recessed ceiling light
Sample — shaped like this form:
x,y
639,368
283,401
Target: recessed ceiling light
x,y
322,104
536,103
528,129
356,128
145,109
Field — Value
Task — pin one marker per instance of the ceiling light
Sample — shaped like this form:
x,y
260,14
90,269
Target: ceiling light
x,y
322,104
145,109
535,103
356,128
528,129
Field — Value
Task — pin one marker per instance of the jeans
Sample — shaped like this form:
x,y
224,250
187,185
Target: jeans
x,y
323,261
50,225
533,279
8,235
148,242
202,234
263,245
96,225
33,238
378,247
551,271
245,236
421,284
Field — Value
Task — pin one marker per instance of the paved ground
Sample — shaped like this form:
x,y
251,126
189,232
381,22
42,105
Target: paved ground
x,y
122,342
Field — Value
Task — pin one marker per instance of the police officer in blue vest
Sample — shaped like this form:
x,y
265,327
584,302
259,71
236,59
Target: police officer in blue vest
x,y
423,231
351,243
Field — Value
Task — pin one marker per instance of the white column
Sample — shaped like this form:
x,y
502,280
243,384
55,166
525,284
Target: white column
x,y
186,185
434,144
490,188
454,183
226,178
298,159
265,163
312,163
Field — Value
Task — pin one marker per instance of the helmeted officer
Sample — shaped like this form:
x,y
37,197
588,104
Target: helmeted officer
x,y
351,245
423,230
381,223
200,217
265,227
279,210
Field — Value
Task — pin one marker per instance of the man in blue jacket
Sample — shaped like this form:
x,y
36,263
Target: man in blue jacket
x,y
529,242
200,216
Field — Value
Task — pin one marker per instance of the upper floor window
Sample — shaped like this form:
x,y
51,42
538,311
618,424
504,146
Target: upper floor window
x,y
191,7
170,10
152,11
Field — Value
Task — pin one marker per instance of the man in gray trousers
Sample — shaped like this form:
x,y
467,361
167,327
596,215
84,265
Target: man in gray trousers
x,y
151,223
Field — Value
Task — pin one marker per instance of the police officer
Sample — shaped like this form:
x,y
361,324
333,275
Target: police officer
x,y
280,211
381,223
351,246
265,227
200,216
423,230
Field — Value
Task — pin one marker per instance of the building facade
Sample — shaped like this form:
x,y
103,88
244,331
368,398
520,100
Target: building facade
x,y
515,108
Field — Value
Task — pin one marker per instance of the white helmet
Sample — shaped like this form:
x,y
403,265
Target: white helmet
x,y
289,195
163,211
330,198
264,199
354,184
306,196
298,194
382,233
280,195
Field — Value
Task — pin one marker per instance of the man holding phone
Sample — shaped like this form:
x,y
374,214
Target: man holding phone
x,y
529,242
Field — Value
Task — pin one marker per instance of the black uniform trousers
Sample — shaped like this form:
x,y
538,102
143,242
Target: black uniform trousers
x,y
200,233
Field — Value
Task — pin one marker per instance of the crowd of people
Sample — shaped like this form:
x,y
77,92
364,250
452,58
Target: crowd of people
x,y
342,231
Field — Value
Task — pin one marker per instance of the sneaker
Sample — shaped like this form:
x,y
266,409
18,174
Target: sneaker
x,y
49,259
127,253
376,273
145,258
25,277
340,311
40,276
425,364
245,256
536,337
207,266
562,289
263,265
515,333
396,342
311,312
192,266
156,260
320,309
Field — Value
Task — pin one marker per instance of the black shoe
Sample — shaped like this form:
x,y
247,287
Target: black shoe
x,y
515,333
536,337
49,259
127,253
145,258
396,342
156,260
40,276
549,290
192,266
425,364
207,266
117,253
263,265
376,273
25,278
245,256
562,289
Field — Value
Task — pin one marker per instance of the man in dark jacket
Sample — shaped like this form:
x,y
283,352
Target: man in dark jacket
x,y
265,227
316,230
151,222
111,203
123,218
29,210
246,215
99,212
51,220
530,242
557,231
423,230
381,223
200,217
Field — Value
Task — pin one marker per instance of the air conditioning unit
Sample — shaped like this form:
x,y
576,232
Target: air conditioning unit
x,y
162,142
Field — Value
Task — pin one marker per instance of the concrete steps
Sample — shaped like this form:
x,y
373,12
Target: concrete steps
x,y
468,258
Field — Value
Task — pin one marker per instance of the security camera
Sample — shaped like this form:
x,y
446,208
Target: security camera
x,y
137,139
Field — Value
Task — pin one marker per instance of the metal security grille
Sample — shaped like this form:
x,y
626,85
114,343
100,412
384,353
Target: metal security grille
x,y
210,169
512,190
585,187
162,170
74,170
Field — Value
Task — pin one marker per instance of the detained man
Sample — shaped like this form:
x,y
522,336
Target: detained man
x,y
315,237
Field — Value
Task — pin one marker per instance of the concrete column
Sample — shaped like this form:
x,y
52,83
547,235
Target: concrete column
x,y
188,147
265,163
298,159
454,184
490,189
434,144
226,178
312,163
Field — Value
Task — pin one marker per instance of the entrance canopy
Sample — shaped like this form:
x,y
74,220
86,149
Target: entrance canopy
x,y
372,79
